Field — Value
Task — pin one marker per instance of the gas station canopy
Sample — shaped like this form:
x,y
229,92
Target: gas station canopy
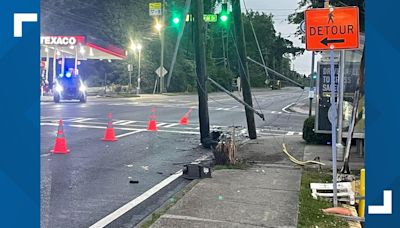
x,y
79,47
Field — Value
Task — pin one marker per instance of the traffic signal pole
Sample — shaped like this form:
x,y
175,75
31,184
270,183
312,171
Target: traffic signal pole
x,y
200,53
243,69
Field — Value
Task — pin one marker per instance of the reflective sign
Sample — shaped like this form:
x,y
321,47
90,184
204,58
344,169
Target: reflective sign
x,y
332,28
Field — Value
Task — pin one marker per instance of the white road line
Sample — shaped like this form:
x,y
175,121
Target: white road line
x,y
161,124
128,122
273,112
279,112
171,125
119,122
129,133
74,119
130,205
290,133
286,107
82,120
45,155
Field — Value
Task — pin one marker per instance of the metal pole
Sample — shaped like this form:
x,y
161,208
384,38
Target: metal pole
x,y
277,73
333,118
130,80
130,75
76,61
138,79
54,67
340,100
178,41
62,64
162,49
47,64
261,115
311,82
105,83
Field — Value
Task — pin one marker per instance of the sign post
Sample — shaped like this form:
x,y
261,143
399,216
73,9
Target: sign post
x,y
332,29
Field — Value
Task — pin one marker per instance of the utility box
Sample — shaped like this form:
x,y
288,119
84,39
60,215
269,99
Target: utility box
x,y
196,171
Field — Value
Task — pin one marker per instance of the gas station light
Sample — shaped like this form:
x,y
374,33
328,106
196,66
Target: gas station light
x,y
46,50
71,47
58,53
82,50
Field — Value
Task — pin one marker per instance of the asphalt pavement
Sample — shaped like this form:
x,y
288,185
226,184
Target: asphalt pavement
x,y
92,181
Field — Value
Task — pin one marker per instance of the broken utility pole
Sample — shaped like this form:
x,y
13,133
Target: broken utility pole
x,y
243,70
199,42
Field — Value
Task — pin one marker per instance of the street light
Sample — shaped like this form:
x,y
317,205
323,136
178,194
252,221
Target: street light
x,y
158,26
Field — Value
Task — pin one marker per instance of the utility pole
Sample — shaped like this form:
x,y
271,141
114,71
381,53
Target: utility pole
x,y
243,70
162,48
200,53
311,82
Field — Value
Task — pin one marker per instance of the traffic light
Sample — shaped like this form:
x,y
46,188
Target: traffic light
x,y
176,20
314,75
224,15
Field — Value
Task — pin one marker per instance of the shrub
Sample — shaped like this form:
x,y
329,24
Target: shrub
x,y
309,134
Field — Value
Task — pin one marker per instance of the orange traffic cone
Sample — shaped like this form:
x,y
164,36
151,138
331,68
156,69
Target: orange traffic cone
x,y
109,134
60,145
184,120
152,126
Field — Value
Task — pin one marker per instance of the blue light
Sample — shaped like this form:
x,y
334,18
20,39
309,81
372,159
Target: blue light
x,y
68,74
60,75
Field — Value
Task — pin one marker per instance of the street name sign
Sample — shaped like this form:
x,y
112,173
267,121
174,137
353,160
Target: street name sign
x,y
210,18
332,28
155,9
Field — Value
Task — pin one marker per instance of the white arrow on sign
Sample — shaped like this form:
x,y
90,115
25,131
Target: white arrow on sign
x,y
158,72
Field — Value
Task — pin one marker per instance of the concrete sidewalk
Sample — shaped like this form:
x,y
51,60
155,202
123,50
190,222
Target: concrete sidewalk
x,y
265,195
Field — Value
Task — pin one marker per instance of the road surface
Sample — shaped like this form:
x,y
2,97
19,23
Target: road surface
x,y
93,180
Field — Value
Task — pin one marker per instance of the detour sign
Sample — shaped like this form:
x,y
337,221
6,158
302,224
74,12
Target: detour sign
x,y
332,28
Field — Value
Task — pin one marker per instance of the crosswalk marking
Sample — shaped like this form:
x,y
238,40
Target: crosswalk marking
x,y
133,127
82,120
171,125
127,122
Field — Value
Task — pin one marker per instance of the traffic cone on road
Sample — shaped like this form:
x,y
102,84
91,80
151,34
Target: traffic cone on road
x,y
152,126
60,145
185,118
109,134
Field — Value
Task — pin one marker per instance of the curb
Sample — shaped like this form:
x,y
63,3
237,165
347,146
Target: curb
x,y
167,204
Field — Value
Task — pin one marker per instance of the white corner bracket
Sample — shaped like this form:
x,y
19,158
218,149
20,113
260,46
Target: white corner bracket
x,y
386,208
19,18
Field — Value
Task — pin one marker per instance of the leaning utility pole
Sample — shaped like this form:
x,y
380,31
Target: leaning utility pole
x,y
243,70
199,44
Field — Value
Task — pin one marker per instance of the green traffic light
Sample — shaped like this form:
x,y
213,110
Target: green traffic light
x,y
224,18
176,20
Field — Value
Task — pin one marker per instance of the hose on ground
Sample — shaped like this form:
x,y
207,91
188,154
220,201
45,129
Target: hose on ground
x,y
294,160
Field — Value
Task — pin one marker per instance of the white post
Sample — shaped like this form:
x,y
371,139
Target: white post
x,y
340,147
138,79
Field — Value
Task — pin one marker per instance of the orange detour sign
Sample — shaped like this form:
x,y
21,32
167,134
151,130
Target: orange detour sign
x,y
332,28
